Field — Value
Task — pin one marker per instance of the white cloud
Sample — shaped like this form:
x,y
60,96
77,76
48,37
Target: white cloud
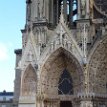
x,y
3,52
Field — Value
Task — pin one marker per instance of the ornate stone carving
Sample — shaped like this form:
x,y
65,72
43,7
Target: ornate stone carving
x,y
83,8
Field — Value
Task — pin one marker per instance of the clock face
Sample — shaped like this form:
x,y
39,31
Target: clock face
x,y
101,6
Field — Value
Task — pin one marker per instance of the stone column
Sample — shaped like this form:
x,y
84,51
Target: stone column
x,y
51,11
83,8
37,103
84,36
87,9
57,11
71,11
39,42
42,105
44,9
65,9
35,9
79,12
47,9
28,13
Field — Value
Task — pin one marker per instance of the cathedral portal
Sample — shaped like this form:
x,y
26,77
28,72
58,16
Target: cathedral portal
x,y
61,78
63,60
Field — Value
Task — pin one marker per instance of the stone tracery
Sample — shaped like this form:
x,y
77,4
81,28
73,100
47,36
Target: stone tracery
x,y
53,69
64,47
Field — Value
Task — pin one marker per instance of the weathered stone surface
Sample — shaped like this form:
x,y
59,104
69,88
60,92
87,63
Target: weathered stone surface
x,y
53,43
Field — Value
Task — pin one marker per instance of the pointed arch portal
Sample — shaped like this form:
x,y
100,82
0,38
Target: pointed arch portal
x,y
97,68
61,75
29,81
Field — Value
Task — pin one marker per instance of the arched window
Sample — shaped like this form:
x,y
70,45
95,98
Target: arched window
x,y
65,85
75,10
69,9
71,6
74,4
67,6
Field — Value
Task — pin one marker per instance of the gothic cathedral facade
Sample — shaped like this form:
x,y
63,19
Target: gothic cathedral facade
x,y
63,60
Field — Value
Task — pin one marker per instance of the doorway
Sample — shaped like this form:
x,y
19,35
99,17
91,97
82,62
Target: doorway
x,y
65,104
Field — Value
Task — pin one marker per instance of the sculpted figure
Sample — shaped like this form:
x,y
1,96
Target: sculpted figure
x,y
40,8
83,8
28,9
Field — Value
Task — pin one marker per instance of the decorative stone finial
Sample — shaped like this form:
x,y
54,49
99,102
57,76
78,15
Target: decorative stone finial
x,y
62,14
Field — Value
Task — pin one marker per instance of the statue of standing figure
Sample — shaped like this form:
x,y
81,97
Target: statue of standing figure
x,y
83,8
28,9
40,8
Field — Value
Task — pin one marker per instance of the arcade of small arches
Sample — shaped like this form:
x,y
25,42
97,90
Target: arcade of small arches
x,y
69,10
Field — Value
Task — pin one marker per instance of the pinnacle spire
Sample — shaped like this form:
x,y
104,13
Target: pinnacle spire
x,y
62,14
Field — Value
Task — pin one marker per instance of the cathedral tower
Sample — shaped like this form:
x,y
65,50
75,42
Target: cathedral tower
x,y
63,61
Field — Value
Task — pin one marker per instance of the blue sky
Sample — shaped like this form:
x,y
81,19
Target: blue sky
x,y
12,20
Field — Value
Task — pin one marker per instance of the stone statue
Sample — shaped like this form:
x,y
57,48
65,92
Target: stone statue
x,y
83,8
91,8
40,8
28,9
